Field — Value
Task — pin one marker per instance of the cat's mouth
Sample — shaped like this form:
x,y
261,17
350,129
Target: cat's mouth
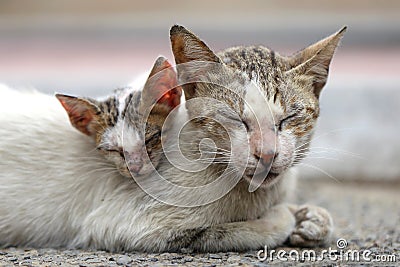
x,y
267,177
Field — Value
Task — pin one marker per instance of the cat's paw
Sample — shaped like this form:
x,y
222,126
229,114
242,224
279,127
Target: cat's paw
x,y
314,227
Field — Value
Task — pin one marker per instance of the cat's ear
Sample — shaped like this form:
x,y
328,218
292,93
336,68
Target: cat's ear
x,y
83,113
161,88
314,60
188,47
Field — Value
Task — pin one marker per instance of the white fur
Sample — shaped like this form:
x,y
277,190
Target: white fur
x,y
51,176
262,116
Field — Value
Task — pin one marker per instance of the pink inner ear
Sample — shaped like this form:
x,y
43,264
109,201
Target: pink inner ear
x,y
172,98
167,91
81,120
79,115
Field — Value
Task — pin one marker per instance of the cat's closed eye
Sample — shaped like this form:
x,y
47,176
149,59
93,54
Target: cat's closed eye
x,y
120,151
246,125
281,123
238,120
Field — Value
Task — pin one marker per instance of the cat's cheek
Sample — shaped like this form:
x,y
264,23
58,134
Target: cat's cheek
x,y
124,171
240,149
285,155
119,164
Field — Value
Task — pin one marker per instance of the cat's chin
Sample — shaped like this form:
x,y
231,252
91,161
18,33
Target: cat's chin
x,y
269,178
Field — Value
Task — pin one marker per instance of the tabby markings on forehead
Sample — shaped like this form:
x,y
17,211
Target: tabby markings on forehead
x,y
257,62
130,104
109,107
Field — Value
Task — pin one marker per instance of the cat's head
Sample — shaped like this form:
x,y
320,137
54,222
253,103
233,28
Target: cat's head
x,y
269,103
127,125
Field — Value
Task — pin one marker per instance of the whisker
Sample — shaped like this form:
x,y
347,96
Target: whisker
x,y
322,135
319,169
349,153
328,158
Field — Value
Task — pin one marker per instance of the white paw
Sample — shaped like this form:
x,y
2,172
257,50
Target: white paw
x,y
314,227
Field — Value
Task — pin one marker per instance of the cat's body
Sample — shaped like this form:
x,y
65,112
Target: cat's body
x,y
39,205
105,211
55,196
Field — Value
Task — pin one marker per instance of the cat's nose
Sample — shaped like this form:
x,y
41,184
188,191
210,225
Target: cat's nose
x,y
135,162
135,167
265,158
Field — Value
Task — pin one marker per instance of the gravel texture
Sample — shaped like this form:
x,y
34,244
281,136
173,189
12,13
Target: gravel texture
x,y
367,216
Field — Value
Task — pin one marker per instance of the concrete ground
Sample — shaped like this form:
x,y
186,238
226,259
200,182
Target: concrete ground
x,y
366,216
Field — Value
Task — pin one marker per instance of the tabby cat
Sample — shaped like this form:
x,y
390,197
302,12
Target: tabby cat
x,y
176,207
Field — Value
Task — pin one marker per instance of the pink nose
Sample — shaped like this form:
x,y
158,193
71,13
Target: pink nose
x,y
135,157
266,158
134,161
135,167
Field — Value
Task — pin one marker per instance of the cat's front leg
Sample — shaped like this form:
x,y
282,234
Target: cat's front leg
x,y
271,230
314,226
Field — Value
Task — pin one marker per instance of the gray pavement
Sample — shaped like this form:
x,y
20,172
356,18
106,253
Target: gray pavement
x,y
366,215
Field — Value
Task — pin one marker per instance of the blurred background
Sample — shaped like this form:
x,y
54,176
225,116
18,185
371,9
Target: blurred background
x,y
90,47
